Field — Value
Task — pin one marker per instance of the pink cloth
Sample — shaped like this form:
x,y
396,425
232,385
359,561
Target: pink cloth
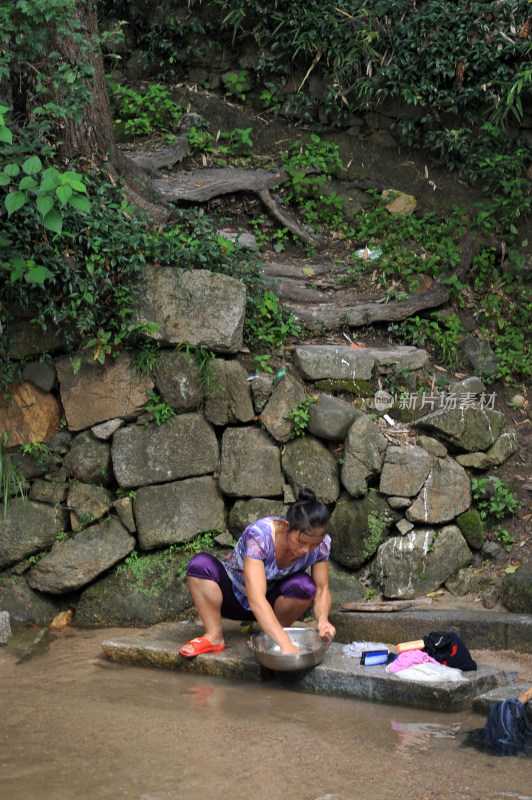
x,y
408,659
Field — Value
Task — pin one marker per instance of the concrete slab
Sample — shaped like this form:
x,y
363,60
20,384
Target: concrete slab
x,y
338,675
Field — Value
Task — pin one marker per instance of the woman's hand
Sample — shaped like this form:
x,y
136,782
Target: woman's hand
x,y
289,649
326,630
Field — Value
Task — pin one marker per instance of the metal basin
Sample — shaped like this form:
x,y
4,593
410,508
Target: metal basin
x,y
268,653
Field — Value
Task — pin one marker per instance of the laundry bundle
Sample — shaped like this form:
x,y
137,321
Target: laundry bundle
x,y
449,649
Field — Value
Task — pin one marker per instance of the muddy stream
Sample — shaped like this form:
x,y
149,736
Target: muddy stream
x,y
75,726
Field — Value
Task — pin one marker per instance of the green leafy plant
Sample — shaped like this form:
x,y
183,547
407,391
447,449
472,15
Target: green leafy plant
x,y
502,536
204,359
39,452
271,98
237,83
201,141
146,357
396,381
261,363
146,112
239,141
442,332
311,165
300,415
493,498
269,325
11,480
157,408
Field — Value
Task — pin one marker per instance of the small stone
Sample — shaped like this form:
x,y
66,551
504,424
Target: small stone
x,y
106,429
491,598
5,628
404,527
224,539
399,502
432,446
517,401
478,461
491,550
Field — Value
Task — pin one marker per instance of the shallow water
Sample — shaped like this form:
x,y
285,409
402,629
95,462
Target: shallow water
x,y
75,726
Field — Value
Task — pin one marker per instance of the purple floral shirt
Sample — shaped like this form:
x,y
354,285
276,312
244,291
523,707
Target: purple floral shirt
x,y
257,542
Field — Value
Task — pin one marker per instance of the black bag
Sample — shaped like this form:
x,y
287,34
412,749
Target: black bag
x,y
449,649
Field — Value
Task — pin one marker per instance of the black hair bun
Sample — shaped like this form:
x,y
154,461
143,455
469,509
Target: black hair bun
x,y
306,495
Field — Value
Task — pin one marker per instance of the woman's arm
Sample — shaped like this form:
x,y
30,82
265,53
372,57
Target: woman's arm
x,y
322,601
255,578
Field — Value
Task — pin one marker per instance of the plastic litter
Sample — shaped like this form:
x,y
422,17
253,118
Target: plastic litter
x,y
367,254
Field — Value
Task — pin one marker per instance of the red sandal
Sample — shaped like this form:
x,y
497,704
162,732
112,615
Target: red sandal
x,y
201,645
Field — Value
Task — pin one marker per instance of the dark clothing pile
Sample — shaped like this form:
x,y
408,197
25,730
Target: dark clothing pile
x,y
449,649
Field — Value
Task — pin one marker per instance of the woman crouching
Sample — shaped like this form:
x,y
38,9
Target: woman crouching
x,y
265,578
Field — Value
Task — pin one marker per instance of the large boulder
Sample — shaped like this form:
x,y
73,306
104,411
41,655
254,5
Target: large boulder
x,y
96,393
446,493
276,414
76,561
364,450
307,462
405,471
142,591
178,511
228,396
468,429
28,414
318,362
250,465
23,604
87,503
244,512
420,562
178,380
28,528
331,418
184,448
358,527
194,307
345,588
89,460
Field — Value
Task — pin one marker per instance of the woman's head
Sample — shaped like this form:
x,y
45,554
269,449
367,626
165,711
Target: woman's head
x,y
308,514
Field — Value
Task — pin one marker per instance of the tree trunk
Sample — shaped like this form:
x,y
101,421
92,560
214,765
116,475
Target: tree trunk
x,y
92,137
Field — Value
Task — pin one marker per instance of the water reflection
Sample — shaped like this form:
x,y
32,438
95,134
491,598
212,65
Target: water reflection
x,y
412,736
202,695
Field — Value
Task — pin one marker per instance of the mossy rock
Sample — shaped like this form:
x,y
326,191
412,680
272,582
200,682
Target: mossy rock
x,y
144,590
516,590
471,528
358,388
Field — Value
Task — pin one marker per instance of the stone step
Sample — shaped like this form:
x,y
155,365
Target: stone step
x,y
483,702
337,675
479,630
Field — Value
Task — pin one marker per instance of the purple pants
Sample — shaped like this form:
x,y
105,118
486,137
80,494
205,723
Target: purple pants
x,y
203,565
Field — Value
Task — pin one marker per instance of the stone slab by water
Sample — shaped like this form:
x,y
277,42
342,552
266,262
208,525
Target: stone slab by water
x,y
338,675
482,703
479,630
